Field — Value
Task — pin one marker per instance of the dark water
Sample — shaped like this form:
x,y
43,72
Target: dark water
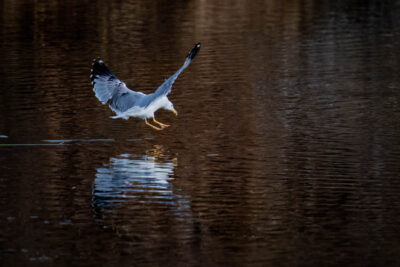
x,y
285,152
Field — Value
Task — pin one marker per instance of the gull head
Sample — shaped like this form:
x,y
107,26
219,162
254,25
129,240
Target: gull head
x,y
170,107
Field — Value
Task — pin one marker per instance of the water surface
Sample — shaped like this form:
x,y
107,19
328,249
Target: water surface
x,y
285,150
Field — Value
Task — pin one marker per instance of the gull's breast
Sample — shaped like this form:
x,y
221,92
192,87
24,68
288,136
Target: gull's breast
x,y
156,105
143,112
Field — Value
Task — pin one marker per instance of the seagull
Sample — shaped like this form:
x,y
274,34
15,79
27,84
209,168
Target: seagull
x,y
128,103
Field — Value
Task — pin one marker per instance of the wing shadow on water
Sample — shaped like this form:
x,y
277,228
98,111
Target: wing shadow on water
x,y
130,187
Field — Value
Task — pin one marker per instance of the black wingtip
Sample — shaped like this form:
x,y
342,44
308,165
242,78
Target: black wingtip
x,y
99,69
192,54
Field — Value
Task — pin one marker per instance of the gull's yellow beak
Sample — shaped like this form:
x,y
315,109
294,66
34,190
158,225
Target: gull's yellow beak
x,y
175,112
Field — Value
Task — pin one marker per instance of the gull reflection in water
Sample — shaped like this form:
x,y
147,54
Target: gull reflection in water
x,y
137,180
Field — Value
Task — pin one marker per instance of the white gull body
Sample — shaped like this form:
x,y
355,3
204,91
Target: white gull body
x,y
127,103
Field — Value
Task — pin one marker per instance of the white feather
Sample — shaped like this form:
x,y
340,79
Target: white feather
x,y
144,113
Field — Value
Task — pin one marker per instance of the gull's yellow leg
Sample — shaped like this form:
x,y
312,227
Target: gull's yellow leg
x,y
159,123
152,126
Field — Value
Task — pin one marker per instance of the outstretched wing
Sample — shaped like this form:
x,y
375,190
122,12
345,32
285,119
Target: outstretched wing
x,y
108,87
104,82
165,88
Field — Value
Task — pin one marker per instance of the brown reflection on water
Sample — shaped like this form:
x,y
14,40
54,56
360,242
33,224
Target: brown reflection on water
x,y
285,150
